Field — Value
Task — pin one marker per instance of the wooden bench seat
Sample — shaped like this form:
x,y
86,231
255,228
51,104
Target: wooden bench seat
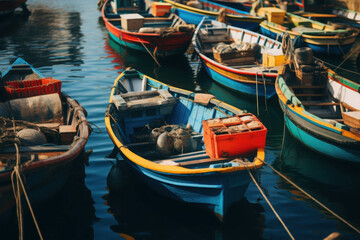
x,y
311,95
320,103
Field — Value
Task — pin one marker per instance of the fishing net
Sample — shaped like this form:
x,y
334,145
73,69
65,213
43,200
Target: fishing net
x,y
9,129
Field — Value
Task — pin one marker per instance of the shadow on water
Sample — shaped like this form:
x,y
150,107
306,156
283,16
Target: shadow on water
x,y
68,215
144,214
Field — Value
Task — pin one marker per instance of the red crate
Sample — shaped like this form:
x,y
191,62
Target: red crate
x,y
30,88
233,136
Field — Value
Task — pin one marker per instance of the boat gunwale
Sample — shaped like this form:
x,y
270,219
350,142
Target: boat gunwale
x,y
227,68
145,163
137,34
70,154
241,16
309,38
304,114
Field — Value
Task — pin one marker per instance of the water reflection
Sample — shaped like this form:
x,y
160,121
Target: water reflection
x,y
62,38
175,71
144,214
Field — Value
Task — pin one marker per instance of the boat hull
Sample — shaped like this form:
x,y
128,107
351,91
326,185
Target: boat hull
x,y
215,191
195,18
315,137
41,185
161,47
234,17
243,83
317,44
157,44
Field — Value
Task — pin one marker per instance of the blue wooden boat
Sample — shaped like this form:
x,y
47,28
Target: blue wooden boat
x,y
321,38
46,164
245,78
240,5
321,115
233,17
191,177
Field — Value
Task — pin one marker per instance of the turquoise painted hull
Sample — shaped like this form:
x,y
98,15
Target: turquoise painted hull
x,y
317,143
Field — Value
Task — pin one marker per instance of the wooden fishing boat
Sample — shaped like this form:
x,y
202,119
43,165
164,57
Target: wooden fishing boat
x,y
161,36
247,77
212,10
43,131
321,111
141,106
321,38
9,6
240,5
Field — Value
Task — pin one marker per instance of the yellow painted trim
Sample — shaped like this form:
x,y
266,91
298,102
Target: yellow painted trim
x,y
316,40
237,76
211,13
301,110
127,237
258,160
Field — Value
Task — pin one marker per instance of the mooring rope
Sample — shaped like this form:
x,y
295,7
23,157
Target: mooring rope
x,y
263,78
311,197
149,52
17,195
257,94
283,138
268,202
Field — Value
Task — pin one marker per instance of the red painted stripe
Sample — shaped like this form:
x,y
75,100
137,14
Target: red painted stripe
x,y
172,41
206,59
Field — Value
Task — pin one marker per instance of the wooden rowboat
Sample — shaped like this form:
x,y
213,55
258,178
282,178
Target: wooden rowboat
x,y
49,130
209,9
321,38
189,176
320,115
244,78
163,36
9,6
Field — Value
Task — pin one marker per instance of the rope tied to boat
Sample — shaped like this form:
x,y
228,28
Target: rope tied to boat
x,y
269,203
16,173
149,52
263,78
311,197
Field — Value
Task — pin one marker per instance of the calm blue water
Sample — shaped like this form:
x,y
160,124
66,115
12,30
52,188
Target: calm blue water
x,y
68,41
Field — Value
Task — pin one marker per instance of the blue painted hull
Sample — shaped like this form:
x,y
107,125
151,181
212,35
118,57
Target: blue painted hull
x,y
215,191
195,18
242,87
318,144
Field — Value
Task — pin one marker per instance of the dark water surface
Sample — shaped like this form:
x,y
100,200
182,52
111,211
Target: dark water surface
x,y
68,41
